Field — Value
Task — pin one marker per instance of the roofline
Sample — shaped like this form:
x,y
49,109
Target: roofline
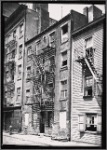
x,y
81,29
48,28
20,7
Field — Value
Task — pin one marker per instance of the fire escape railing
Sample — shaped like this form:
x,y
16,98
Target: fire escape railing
x,y
10,65
88,60
42,76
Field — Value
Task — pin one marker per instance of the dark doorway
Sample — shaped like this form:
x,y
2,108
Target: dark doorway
x,y
42,118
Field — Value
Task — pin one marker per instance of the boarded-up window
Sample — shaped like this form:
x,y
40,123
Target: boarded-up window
x,y
26,119
62,119
99,124
81,122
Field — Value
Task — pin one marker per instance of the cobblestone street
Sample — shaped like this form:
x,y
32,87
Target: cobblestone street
x,y
20,139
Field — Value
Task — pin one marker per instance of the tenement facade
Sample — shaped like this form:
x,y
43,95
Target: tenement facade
x,y
18,29
59,92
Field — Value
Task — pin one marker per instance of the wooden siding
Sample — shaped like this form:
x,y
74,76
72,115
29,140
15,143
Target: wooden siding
x,y
80,105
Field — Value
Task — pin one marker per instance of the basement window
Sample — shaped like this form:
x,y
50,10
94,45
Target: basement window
x,y
64,33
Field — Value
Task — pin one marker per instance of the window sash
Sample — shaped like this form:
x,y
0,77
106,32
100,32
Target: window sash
x,y
63,93
84,124
89,43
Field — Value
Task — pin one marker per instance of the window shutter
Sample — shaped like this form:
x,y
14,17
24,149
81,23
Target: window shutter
x,y
81,122
99,123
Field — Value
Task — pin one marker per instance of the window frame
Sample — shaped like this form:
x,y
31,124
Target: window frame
x,y
21,29
98,123
63,60
65,35
20,51
19,71
30,72
64,90
18,95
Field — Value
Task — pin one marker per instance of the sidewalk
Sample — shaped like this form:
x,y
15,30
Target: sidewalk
x,y
46,140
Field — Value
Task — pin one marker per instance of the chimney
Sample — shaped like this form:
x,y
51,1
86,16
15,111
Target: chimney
x,y
92,13
85,11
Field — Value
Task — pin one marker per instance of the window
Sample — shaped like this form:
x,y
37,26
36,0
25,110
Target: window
x,y
89,42
14,34
89,49
88,83
52,63
52,39
62,119
7,74
64,59
20,51
90,122
29,52
28,72
63,89
27,95
21,30
19,71
13,54
18,94
64,33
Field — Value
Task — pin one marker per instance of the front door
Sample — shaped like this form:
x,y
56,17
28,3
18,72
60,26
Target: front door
x,y
42,118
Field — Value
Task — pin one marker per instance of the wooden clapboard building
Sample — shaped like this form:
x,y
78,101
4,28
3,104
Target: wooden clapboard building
x,y
87,78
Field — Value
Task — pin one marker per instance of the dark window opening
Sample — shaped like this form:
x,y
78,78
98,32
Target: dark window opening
x,y
91,123
65,29
64,63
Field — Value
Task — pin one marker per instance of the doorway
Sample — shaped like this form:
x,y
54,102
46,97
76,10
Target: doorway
x,y
42,122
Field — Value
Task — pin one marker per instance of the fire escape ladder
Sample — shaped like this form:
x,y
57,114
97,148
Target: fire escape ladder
x,y
92,69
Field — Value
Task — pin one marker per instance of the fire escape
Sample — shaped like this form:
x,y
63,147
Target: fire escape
x,y
40,80
9,68
87,61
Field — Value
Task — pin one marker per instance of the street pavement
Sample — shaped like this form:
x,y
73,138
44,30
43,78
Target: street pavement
x,y
21,139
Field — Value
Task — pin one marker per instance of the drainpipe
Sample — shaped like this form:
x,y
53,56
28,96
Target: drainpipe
x,y
22,103
70,79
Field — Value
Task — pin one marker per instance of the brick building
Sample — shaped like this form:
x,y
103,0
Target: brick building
x,y
61,76
18,29
42,110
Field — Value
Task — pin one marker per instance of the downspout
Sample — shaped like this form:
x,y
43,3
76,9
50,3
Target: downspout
x,y
70,80
22,103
